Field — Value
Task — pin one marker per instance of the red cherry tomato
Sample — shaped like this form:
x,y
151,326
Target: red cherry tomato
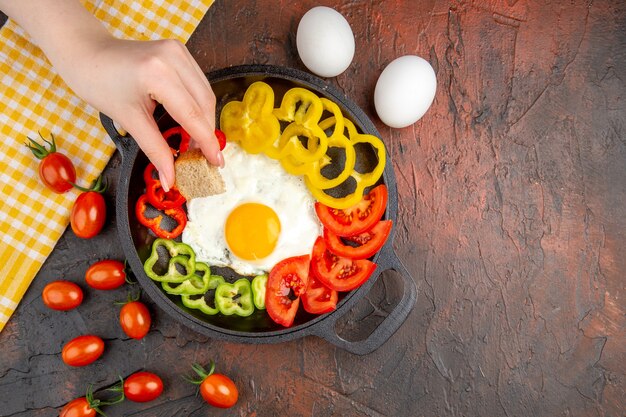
x,y
57,172
287,281
318,298
78,408
135,319
143,387
62,295
55,169
88,214
106,275
336,272
219,391
358,218
368,242
82,350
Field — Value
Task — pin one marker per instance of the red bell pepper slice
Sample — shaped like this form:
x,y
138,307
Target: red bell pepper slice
x,y
156,194
221,138
154,223
184,137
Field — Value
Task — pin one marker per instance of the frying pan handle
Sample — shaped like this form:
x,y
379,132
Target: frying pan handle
x,y
390,324
124,142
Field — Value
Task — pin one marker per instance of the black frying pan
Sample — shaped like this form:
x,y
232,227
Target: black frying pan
x,y
230,84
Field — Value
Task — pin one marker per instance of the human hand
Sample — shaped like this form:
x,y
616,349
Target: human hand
x,y
126,79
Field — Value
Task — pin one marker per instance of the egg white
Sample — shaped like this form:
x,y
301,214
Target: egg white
x,y
259,179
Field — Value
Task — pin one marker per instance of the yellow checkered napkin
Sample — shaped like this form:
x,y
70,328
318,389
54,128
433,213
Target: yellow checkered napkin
x,y
34,98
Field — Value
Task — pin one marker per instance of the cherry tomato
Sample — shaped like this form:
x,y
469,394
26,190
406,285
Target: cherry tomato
x,y
287,281
106,275
358,218
368,242
88,214
78,408
55,169
62,295
216,389
57,172
82,350
219,391
143,387
318,298
135,319
336,272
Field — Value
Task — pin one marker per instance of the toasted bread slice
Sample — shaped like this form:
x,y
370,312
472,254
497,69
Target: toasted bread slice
x,y
195,177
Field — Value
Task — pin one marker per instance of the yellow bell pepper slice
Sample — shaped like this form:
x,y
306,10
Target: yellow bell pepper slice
x,y
302,109
363,180
334,109
301,106
289,144
373,176
336,140
251,122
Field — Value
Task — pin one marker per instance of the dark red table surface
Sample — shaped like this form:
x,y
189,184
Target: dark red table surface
x,y
511,220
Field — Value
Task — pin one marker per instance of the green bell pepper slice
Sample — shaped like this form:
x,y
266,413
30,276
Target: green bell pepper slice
x,y
259,283
235,298
181,255
197,284
198,302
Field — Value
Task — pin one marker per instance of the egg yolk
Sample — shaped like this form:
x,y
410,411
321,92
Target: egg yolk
x,y
252,231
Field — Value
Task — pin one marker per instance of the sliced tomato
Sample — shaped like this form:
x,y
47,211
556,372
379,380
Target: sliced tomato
x,y
368,243
318,298
358,218
286,283
336,272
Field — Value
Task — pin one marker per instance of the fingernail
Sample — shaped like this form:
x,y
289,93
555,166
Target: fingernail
x,y
164,182
220,159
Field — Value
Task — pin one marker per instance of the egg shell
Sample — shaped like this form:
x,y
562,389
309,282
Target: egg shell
x,y
404,91
325,41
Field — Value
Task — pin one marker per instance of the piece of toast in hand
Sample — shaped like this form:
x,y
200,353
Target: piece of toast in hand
x,y
195,177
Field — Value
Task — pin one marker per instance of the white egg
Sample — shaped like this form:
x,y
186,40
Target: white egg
x,y
263,182
325,41
404,91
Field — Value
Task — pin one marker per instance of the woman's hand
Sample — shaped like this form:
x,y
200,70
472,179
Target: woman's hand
x,y
124,79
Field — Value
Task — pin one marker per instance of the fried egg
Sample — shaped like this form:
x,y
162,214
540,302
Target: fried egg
x,y
264,216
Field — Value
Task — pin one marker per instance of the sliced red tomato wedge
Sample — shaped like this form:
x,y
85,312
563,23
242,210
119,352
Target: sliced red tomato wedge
x,y
336,272
358,218
368,243
286,283
318,298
